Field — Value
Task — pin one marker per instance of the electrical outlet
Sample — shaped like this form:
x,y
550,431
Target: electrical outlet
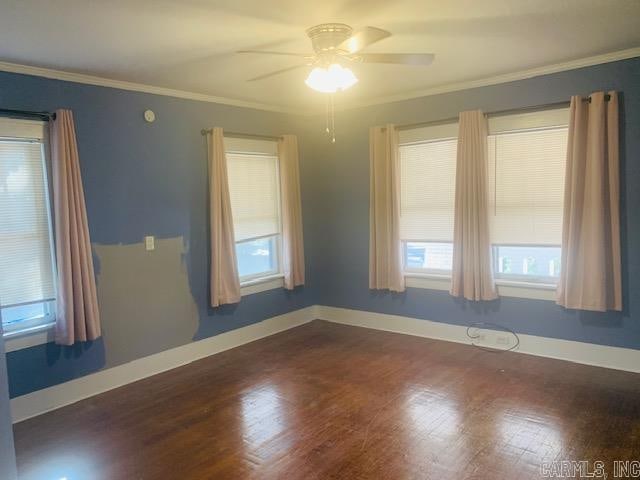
x,y
477,336
149,243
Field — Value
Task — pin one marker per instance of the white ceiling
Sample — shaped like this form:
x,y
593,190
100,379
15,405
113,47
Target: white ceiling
x,y
189,45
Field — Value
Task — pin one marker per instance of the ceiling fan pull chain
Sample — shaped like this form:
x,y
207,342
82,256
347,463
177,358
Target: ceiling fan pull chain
x,y
333,120
330,118
327,116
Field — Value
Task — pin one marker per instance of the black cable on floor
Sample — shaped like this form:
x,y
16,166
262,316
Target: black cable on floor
x,y
491,326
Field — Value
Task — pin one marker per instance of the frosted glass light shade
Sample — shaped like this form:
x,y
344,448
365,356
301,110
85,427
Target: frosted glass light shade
x,y
332,79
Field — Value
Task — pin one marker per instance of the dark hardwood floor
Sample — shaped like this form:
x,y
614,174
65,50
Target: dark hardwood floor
x,y
327,401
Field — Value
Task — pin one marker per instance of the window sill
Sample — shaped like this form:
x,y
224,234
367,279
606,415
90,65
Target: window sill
x,y
428,280
536,291
506,288
261,284
30,337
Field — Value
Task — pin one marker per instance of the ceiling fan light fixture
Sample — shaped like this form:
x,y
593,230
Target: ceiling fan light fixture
x,y
332,79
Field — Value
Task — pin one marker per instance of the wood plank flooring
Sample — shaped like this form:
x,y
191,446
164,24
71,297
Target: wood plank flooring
x,y
328,401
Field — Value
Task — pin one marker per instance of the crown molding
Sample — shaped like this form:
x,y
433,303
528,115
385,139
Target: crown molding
x,y
504,78
134,87
445,88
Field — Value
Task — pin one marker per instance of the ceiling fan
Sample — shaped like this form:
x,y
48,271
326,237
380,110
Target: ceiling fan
x,y
335,47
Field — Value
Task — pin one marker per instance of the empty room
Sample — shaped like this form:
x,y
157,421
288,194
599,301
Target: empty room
x,y
347,239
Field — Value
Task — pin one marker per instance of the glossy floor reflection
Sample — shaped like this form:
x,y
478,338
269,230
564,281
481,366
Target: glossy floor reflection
x,y
330,401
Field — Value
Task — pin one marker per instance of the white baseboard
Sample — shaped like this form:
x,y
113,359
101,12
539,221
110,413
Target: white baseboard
x,y
51,398
57,396
578,352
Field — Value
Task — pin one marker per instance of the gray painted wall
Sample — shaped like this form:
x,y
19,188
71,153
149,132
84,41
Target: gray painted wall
x,y
343,242
7,452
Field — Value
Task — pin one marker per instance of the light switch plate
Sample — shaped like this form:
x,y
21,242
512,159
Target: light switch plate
x,y
149,243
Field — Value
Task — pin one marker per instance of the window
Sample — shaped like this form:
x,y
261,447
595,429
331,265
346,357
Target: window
x,y
27,279
436,257
427,178
254,187
257,258
527,154
527,262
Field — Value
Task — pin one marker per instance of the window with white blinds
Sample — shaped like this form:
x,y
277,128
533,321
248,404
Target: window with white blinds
x,y
27,278
526,182
254,188
526,163
427,193
527,155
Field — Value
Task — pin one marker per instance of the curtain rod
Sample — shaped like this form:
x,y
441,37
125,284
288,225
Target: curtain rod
x,y
204,131
46,116
546,106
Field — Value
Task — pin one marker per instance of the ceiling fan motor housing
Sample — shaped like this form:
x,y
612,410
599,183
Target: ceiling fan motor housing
x,y
326,37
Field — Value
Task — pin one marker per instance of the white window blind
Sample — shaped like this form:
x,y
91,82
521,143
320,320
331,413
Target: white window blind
x,y
254,189
427,190
526,178
26,264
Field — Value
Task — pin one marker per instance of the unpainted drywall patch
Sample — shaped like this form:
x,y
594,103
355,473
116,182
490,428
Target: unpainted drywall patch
x,y
145,302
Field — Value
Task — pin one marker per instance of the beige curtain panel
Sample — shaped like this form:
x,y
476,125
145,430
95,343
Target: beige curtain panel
x,y
472,275
224,280
590,276
385,249
77,314
292,240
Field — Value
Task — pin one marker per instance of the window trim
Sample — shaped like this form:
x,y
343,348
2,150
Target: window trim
x,y
34,331
262,284
255,283
27,325
435,272
506,288
31,337
538,119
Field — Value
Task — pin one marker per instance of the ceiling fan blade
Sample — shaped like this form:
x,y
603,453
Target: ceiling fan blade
x,y
277,72
363,38
423,59
269,52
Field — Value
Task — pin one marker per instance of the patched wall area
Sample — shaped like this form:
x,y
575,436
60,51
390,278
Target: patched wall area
x,y
146,305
